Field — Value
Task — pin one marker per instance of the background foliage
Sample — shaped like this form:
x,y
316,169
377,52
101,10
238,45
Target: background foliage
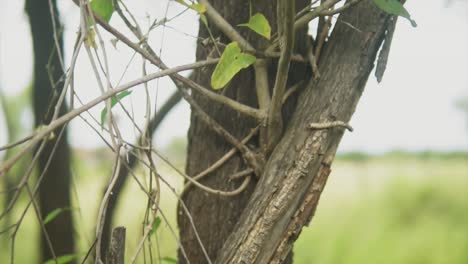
x,y
398,207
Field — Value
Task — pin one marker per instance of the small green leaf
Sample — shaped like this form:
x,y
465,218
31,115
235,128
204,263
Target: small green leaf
x,y
259,24
51,136
114,100
170,260
394,7
231,62
103,8
156,224
62,259
52,215
199,8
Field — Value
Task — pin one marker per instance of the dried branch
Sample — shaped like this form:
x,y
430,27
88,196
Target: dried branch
x,y
219,162
45,131
322,35
292,90
285,12
326,125
16,143
262,88
204,187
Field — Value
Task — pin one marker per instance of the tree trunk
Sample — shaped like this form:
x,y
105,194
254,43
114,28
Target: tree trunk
x,y
215,216
54,190
287,194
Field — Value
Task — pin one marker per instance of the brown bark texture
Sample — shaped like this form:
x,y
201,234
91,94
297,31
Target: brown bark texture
x,y
261,224
215,216
54,190
297,169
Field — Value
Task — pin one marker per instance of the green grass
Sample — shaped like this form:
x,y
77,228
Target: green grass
x,y
390,210
395,208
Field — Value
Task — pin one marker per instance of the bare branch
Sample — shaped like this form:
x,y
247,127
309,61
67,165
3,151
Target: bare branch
x,y
262,88
219,162
332,124
285,12
45,131
14,144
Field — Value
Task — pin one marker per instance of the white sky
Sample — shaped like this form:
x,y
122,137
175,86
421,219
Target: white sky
x,y
412,109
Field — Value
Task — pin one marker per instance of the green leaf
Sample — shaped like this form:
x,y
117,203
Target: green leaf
x,y
114,100
103,8
170,260
231,62
394,7
199,8
62,259
156,224
52,215
259,24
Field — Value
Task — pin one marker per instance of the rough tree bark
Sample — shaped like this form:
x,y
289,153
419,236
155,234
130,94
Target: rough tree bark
x,y
55,188
268,217
286,196
215,216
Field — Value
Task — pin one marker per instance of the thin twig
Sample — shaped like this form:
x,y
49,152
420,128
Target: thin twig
x,y
219,162
262,89
324,30
46,130
41,222
199,185
14,144
292,90
326,125
285,12
241,174
340,9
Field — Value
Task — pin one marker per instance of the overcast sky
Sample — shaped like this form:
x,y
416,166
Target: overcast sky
x,y
412,109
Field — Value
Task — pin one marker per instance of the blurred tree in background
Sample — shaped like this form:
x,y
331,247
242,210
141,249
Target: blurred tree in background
x,y
53,155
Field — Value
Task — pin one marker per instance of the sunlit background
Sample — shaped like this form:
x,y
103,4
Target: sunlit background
x,y
398,190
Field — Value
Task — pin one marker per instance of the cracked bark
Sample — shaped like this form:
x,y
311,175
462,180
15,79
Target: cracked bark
x,y
266,230
261,225
216,216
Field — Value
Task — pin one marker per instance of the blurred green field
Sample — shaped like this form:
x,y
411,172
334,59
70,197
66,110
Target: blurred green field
x,y
397,208
393,208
